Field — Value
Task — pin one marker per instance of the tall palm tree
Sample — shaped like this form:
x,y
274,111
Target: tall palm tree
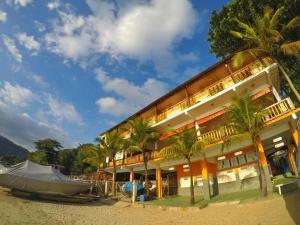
x,y
141,134
265,36
184,144
91,154
245,117
109,146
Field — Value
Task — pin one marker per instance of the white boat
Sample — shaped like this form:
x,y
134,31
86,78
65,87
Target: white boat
x,y
35,178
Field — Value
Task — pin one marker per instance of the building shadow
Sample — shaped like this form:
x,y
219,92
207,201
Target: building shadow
x,y
292,203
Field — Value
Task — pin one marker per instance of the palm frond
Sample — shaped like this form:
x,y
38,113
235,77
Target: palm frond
x,y
275,18
237,34
248,29
239,58
291,48
295,22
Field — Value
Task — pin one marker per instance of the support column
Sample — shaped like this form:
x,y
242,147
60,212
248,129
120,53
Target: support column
x,y
205,180
237,177
159,190
264,163
131,178
292,159
295,135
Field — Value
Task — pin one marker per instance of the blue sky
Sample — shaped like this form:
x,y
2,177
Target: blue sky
x,y
72,69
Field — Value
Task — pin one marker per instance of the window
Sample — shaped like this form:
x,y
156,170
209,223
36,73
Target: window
x,y
251,157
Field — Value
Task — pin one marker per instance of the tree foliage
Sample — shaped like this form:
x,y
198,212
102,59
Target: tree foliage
x,y
141,135
184,144
47,148
246,118
222,43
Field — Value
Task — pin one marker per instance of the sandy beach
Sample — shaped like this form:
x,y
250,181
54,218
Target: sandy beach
x,y
275,211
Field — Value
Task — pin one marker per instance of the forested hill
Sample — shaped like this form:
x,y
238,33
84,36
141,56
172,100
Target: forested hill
x,y
8,148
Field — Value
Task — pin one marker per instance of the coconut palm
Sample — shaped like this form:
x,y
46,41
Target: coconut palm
x,y
245,117
109,146
265,36
184,145
141,135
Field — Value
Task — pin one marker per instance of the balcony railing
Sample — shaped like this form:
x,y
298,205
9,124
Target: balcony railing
x,y
215,88
274,111
172,110
278,109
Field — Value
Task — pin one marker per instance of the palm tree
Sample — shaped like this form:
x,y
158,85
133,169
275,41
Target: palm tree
x,y
141,134
245,117
184,144
109,146
265,36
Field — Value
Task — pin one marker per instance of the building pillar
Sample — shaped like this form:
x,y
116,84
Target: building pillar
x,y
292,159
159,189
264,163
295,135
131,178
205,179
237,177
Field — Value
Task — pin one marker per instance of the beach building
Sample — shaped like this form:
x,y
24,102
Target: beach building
x,y
200,104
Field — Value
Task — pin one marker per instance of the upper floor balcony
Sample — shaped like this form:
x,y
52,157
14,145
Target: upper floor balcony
x,y
217,136
240,80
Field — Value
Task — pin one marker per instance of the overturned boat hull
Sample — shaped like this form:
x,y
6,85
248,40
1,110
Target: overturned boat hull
x,y
35,178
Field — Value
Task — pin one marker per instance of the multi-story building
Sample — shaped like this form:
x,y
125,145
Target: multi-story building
x,y
200,102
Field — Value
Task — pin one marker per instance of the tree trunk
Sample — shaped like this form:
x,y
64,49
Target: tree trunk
x,y
146,174
192,182
286,76
114,179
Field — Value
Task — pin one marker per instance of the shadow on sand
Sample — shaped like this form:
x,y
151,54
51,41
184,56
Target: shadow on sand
x,y
62,201
292,203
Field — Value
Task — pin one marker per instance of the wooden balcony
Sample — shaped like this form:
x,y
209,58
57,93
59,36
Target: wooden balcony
x,y
215,136
278,109
215,88
172,110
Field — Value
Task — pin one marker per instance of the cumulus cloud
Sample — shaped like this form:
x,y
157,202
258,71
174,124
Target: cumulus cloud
x,y
146,30
12,48
28,42
53,5
3,16
15,95
39,26
64,111
21,3
130,97
24,130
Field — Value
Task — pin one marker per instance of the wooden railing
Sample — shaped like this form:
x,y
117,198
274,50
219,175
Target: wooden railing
x,y
278,109
172,110
211,136
217,87
217,135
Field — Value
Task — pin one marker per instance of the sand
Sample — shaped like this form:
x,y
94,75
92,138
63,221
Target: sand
x,y
273,211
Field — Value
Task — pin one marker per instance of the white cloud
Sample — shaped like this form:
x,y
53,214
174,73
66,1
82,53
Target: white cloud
x,y
130,97
28,42
38,80
146,31
39,26
64,111
24,130
11,47
53,5
21,3
3,16
16,95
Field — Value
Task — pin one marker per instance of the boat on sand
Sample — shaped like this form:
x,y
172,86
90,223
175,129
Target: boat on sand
x,y
35,178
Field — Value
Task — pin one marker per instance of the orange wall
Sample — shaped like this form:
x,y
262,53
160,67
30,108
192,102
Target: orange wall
x,y
196,166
